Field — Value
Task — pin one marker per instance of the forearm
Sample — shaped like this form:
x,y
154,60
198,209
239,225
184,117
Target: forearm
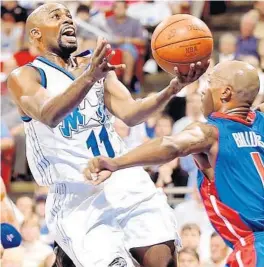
x,y
144,108
155,152
56,108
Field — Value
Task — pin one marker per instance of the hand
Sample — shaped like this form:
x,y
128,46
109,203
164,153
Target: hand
x,y
180,81
100,65
100,169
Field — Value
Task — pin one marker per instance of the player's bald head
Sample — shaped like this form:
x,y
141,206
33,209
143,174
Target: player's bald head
x,y
50,28
38,16
240,76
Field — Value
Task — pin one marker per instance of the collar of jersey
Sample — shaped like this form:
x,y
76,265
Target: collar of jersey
x,y
53,65
248,121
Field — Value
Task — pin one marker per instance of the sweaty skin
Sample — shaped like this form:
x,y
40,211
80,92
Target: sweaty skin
x,y
233,86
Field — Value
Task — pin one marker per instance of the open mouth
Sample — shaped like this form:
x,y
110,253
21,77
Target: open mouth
x,y
69,34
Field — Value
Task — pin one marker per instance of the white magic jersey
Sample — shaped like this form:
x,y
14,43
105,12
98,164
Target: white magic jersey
x,y
61,153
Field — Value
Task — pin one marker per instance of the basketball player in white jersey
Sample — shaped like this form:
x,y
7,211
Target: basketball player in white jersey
x,y
66,103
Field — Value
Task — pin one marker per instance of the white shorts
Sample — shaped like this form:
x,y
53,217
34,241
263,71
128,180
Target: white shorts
x,y
95,232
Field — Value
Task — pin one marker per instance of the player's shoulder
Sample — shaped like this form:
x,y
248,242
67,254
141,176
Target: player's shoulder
x,y
24,72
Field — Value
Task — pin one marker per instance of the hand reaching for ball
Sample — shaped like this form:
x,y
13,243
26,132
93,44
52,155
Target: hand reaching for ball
x,y
180,81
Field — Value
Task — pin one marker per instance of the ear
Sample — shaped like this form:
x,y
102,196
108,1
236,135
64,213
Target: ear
x,y
226,94
35,33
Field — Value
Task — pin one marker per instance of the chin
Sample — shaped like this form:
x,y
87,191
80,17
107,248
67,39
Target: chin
x,y
69,48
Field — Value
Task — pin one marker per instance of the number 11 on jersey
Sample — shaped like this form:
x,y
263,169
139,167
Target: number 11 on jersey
x,y
91,142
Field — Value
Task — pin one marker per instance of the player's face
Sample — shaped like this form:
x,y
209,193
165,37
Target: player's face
x,y
211,96
58,31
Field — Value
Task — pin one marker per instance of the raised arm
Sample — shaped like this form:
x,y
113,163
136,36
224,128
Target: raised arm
x,y
196,138
120,102
36,102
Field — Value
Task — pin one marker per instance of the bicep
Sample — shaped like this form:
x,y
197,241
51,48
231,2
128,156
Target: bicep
x,y
194,139
27,91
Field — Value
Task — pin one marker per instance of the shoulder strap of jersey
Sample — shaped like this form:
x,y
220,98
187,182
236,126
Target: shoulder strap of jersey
x,y
43,81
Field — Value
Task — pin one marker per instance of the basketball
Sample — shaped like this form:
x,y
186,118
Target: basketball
x,y
180,40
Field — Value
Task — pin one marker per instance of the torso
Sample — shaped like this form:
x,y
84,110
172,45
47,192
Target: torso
x,y
233,190
61,153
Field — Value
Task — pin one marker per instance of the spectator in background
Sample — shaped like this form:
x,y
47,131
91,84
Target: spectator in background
x,y
35,251
247,44
193,113
219,252
149,13
261,54
102,5
90,26
168,174
227,47
10,34
132,136
15,10
188,258
190,236
25,205
7,152
258,13
12,118
129,34
7,141
196,215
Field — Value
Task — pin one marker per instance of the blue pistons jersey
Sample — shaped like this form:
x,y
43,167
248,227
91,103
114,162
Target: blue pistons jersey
x,y
234,200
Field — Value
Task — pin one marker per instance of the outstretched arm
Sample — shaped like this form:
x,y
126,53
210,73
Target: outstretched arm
x,y
120,102
196,138
36,102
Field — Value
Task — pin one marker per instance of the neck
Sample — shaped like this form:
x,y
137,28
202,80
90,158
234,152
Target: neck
x,y
61,61
241,112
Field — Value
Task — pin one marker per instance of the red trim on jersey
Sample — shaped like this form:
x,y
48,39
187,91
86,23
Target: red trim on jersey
x,y
228,217
248,121
247,254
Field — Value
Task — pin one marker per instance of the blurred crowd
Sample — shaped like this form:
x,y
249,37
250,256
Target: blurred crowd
x,y
128,26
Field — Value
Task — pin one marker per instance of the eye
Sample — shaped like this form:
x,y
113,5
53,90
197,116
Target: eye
x,y
69,15
55,16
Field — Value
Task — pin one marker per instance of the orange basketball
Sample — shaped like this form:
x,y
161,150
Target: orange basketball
x,y
180,40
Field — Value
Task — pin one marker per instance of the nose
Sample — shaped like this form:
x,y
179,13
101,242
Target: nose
x,y
67,20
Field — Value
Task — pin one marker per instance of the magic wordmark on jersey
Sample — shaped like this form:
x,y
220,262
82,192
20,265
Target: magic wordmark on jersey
x,y
80,117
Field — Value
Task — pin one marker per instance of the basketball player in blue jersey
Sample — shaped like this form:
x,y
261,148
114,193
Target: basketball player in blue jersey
x,y
229,151
66,103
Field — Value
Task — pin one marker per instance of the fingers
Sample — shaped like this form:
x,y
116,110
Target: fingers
x,y
192,71
110,56
101,177
197,71
101,42
115,67
102,55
